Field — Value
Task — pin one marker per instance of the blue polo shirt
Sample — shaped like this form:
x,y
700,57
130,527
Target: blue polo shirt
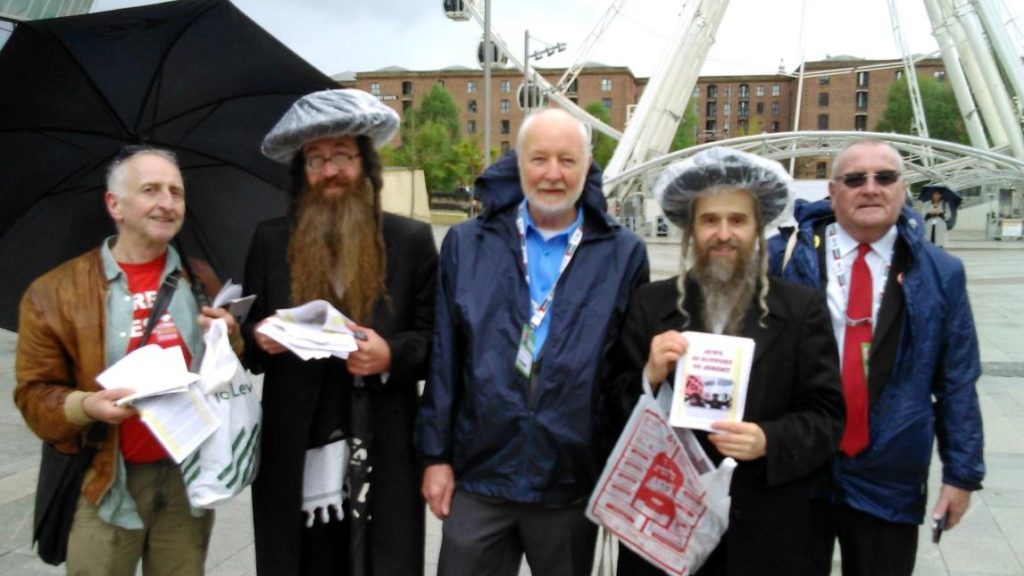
x,y
544,257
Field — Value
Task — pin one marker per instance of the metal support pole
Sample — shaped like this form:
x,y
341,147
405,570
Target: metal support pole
x,y
526,74
487,83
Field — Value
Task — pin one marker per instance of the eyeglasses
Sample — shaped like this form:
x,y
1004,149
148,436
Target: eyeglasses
x,y
858,179
339,160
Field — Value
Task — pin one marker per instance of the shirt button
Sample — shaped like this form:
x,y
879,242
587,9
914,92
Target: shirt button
x,y
127,298
123,334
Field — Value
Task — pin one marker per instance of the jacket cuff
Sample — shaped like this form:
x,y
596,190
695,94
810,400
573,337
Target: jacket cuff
x,y
74,410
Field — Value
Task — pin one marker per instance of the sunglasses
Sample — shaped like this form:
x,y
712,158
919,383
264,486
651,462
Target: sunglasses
x,y
858,179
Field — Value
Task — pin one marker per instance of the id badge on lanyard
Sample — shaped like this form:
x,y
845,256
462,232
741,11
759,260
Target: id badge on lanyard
x,y
527,343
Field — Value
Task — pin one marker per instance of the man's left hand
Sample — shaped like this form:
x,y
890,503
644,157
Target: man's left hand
x,y
208,314
740,440
373,355
954,501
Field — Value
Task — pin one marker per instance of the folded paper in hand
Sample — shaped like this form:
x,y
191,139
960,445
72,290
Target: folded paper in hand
x,y
314,330
150,371
230,297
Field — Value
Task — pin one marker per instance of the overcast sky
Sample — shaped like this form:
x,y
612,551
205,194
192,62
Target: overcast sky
x,y
754,37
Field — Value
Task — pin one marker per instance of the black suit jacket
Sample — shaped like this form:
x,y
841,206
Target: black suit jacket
x,y
795,396
303,402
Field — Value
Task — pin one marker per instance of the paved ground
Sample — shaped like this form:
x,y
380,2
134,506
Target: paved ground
x,y
990,540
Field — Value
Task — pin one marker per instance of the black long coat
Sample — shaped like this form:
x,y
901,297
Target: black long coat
x,y
794,394
295,401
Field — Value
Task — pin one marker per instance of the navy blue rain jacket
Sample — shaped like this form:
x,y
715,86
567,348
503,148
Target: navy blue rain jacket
x,y
931,393
508,438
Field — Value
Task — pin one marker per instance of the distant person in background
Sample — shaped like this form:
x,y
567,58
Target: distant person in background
x,y
909,356
379,269
722,199
86,315
936,220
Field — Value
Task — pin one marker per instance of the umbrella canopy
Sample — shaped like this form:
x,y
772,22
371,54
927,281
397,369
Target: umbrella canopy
x,y
952,198
195,76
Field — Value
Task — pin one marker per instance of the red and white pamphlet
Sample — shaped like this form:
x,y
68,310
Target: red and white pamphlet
x,y
711,380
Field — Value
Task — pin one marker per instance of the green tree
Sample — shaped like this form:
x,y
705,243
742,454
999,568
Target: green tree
x,y
431,140
603,146
686,132
940,110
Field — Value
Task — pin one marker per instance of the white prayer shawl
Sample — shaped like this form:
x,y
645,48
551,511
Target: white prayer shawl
x,y
323,481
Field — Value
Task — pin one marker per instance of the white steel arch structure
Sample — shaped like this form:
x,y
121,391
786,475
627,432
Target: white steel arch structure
x,y
953,164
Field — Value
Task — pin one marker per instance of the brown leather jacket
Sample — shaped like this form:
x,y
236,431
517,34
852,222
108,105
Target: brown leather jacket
x,y
60,353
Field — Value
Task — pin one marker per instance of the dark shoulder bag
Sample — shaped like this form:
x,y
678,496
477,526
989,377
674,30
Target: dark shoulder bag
x,y
60,475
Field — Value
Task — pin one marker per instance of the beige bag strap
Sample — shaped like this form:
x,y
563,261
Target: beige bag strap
x,y
790,245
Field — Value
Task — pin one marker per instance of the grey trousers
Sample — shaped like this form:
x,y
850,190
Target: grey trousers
x,y
487,537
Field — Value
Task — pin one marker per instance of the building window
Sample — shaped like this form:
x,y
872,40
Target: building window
x,y
712,92
607,103
776,90
940,75
775,126
574,87
504,107
862,79
824,81
696,91
744,91
606,84
759,107
712,110
899,74
711,126
506,126
504,146
860,122
727,92
823,99
375,88
822,121
471,106
759,91
744,109
862,100
471,87
743,127
406,105
819,170
727,108
471,127
775,108
406,88
506,86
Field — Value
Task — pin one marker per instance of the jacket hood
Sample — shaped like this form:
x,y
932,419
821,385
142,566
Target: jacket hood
x,y
498,188
810,214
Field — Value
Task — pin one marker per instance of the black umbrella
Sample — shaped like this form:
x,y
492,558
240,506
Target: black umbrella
x,y
195,76
951,197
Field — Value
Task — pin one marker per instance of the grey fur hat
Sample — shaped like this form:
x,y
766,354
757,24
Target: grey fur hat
x,y
719,167
327,114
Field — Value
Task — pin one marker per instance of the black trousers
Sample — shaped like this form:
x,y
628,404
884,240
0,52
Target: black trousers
x,y
870,546
487,537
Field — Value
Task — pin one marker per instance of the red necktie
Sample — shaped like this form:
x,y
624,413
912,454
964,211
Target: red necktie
x,y
856,345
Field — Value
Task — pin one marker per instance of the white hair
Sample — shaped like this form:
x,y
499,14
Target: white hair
x,y
115,172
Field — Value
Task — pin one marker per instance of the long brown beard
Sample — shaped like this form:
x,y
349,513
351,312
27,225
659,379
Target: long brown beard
x,y
727,288
336,247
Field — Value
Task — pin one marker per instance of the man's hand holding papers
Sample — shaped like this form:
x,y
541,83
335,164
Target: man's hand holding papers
x,y
313,330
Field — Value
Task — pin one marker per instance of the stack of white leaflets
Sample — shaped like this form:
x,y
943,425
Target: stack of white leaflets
x,y
174,411
314,330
